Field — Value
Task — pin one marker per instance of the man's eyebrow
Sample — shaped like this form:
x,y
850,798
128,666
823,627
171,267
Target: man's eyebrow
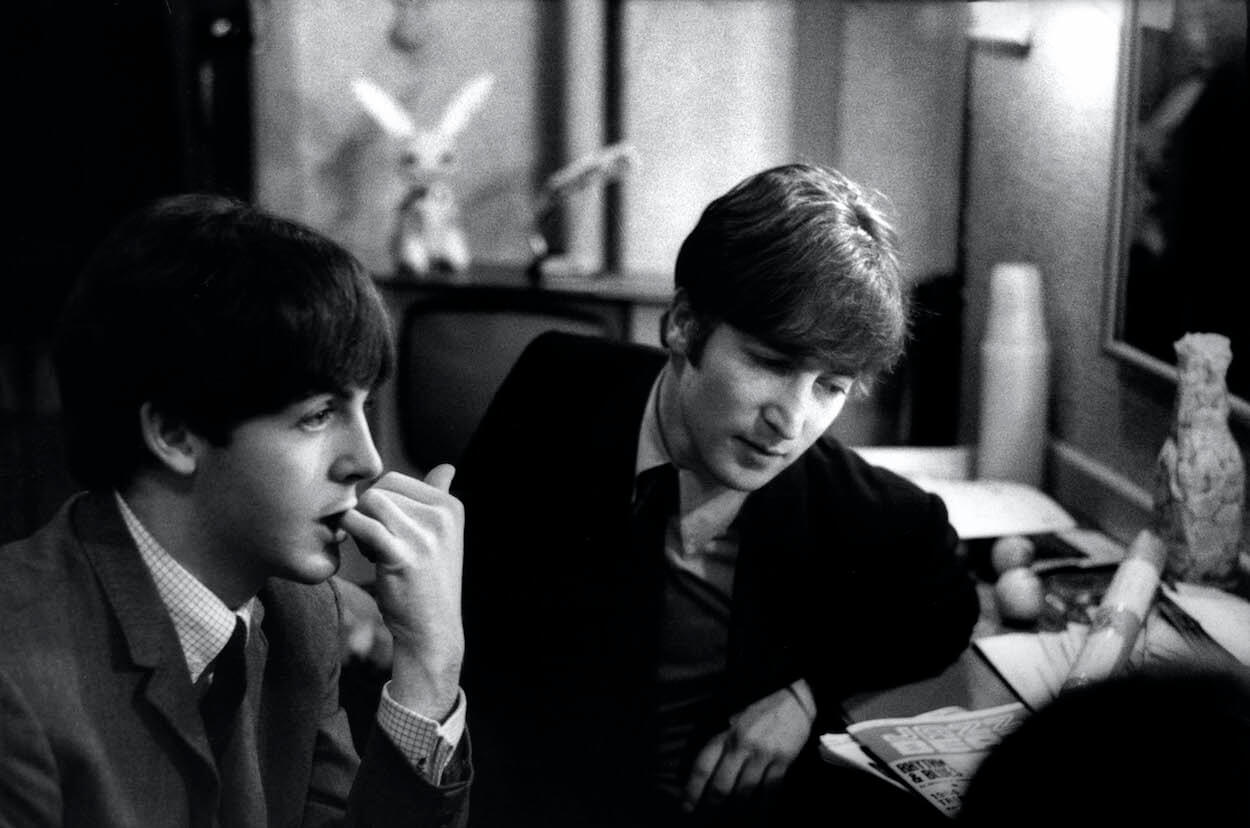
x,y
803,358
822,365
779,350
333,393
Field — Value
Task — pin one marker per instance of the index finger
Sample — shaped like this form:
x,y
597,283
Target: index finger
x,y
704,765
440,476
726,778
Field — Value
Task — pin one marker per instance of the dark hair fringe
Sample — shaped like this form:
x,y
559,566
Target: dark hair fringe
x,y
798,257
215,312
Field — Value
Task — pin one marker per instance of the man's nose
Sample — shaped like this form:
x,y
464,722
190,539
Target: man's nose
x,y
787,408
358,457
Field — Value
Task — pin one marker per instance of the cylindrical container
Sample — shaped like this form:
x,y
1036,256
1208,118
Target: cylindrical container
x,y
1015,377
1119,616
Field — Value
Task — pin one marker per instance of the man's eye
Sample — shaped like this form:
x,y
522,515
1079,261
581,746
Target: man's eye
x,y
834,386
318,418
772,363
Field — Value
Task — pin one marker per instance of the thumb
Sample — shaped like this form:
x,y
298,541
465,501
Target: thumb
x,y
440,476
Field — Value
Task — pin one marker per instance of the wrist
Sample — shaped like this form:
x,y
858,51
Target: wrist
x,y
425,683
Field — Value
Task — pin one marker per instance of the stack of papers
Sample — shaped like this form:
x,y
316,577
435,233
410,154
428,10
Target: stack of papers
x,y
978,508
997,508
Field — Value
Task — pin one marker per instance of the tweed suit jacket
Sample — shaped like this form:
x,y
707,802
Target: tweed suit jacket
x,y
99,723
846,576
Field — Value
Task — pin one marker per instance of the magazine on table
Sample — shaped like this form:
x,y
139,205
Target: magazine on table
x,y
934,754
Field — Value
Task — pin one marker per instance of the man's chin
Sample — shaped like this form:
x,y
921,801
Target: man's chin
x,y
741,479
319,567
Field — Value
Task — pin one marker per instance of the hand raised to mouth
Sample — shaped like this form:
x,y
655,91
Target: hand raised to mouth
x,y
413,532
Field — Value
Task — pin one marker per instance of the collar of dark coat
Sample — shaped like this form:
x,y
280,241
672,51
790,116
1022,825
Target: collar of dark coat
x,y
151,639
614,424
773,519
150,636
774,540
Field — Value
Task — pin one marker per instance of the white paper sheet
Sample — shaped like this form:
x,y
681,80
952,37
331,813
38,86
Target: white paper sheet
x,y
996,508
1224,616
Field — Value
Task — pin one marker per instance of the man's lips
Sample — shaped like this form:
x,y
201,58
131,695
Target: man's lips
x,y
334,522
767,451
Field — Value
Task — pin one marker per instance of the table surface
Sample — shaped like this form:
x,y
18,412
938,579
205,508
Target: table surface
x,y
969,681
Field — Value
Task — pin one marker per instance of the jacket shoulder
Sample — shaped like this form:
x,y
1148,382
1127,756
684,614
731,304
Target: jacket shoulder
x,y
569,354
38,568
563,385
835,467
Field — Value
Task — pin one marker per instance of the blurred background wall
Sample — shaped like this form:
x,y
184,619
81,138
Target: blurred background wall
x,y
706,91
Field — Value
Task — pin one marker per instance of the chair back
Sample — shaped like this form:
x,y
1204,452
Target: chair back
x,y
456,348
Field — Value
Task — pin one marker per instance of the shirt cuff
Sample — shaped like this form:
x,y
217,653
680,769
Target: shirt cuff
x,y
802,693
426,744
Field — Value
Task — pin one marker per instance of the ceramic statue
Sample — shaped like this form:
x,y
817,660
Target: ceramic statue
x,y
1200,491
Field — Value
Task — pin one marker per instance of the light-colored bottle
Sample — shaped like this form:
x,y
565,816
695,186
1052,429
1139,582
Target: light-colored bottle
x,y
1200,490
1015,377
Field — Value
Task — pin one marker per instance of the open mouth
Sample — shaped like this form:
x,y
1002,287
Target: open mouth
x,y
334,525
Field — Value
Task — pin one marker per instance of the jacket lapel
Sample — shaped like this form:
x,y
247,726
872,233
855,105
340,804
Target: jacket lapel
x,y
145,625
597,487
773,545
634,591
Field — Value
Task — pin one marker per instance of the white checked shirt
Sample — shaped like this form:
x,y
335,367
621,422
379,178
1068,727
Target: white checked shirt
x,y
204,625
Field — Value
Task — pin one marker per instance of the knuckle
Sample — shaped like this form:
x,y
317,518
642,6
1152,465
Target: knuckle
x,y
456,507
439,524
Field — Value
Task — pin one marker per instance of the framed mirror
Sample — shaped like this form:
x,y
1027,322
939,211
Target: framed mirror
x,y
1180,229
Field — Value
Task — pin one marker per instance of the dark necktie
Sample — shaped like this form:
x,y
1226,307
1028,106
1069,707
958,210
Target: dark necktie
x,y
220,705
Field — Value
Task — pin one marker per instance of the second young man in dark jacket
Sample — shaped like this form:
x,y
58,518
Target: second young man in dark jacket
x,y
679,573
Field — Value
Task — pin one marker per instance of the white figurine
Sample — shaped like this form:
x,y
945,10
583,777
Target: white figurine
x,y
428,238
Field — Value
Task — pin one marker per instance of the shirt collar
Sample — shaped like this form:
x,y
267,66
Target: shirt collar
x,y
651,450
704,513
202,621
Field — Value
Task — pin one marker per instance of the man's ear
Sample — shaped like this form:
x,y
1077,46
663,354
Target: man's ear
x,y
169,440
679,325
